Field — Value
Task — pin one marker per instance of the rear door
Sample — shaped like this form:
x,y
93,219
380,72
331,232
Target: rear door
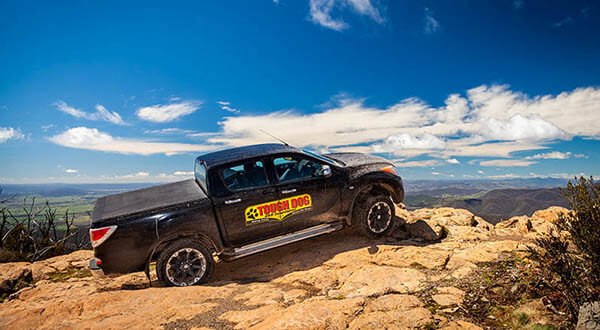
x,y
313,197
246,189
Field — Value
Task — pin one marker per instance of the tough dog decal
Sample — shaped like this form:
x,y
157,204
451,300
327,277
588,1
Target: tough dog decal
x,y
278,210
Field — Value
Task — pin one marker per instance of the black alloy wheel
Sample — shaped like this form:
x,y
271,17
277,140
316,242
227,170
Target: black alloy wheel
x,y
183,263
374,215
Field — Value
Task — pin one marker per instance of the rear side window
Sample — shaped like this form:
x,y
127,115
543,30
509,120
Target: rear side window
x,y
244,176
200,174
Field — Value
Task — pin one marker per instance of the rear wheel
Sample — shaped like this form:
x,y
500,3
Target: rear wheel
x,y
374,215
183,263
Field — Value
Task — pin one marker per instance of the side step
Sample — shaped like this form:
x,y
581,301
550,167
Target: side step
x,y
274,242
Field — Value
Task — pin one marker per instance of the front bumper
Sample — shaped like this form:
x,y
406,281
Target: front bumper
x,y
95,268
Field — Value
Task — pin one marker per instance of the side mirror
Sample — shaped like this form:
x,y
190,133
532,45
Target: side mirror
x,y
325,170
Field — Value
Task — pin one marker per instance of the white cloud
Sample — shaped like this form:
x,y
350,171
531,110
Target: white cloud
x,y
551,155
109,116
169,131
435,173
9,133
93,139
320,12
406,141
431,24
70,170
162,113
191,173
480,171
519,127
101,113
452,161
418,163
581,156
365,7
506,162
225,106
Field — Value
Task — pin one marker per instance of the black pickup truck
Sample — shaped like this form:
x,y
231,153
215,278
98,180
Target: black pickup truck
x,y
242,201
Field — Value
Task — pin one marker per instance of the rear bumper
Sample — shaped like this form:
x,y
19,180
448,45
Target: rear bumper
x,y
95,268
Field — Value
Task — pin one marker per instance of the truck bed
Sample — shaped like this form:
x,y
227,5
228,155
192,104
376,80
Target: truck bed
x,y
146,200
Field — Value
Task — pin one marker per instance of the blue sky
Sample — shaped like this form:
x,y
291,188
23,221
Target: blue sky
x,y
100,91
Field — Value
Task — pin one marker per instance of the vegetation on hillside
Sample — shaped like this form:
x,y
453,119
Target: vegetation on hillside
x,y
37,233
570,255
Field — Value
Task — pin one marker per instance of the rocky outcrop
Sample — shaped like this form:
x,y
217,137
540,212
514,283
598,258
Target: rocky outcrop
x,y
416,278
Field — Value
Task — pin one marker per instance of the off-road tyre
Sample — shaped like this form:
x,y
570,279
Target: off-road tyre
x,y
181,262
373,206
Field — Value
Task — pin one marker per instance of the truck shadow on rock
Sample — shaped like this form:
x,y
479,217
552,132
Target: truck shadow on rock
x,y
309,254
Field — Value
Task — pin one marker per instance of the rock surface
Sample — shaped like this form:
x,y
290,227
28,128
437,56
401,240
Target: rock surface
x,y
335,281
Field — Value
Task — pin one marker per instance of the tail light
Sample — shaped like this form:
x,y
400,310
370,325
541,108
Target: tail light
x,y
99,235
390,169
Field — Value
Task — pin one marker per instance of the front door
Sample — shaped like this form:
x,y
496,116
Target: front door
x,y
313,197
247,189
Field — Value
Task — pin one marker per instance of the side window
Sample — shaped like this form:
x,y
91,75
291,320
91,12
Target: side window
x,y
290,168
246,175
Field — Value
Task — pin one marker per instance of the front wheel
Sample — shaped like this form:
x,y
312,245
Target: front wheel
x,y
374,216
183,263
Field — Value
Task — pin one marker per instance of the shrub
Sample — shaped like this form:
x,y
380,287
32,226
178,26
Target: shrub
x,y
570,255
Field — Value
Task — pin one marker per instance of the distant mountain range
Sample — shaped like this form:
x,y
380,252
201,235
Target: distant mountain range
x,y
65,189
501,204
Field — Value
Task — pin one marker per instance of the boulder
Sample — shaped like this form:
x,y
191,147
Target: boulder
x,y
427,230
550,214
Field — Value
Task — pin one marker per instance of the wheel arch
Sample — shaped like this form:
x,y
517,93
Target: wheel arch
x,y
164,242
372,189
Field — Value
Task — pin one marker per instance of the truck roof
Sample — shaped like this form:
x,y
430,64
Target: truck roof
x,y
240,153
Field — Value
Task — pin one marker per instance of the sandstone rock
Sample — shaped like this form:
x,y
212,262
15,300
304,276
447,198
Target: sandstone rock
x,y
448,296
315,313
522,223
444,216
459,217
373,281
483,224
413,256
247,318
550,214
464,233
393,302
415,318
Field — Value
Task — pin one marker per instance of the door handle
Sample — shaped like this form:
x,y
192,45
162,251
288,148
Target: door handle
x,y
288,191
233,201
268,191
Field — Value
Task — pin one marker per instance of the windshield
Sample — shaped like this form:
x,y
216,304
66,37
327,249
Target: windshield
x,y
324,158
